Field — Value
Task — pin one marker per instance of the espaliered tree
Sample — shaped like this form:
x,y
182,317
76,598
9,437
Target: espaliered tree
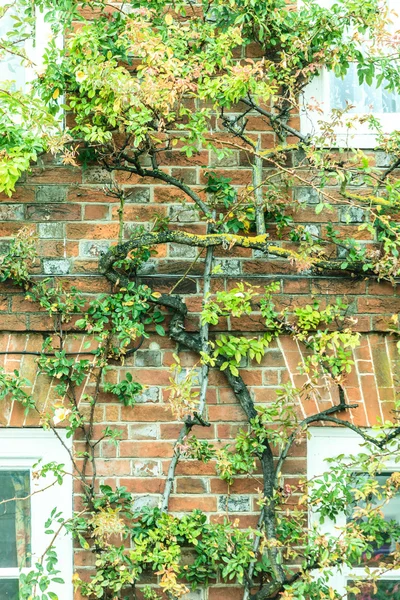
x,y
144,82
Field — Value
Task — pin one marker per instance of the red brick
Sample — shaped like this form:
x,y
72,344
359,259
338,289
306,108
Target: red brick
x,y
96,212
183,503
151,449
379,305
147,485
223,593
55,175
88,231
190,485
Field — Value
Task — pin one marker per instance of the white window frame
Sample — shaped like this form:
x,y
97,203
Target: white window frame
x,y
328,442
21,449
35,48
317,92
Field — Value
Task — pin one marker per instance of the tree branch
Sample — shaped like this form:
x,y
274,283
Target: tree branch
x,y
275,119
158,174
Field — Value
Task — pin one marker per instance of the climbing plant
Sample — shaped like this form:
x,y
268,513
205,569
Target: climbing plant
x,y
144,83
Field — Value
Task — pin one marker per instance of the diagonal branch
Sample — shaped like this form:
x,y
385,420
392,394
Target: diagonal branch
x,y
156,173
274,119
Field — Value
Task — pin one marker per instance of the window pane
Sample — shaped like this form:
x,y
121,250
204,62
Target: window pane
x,y
386,545
10,65
385,590
364,98
15,520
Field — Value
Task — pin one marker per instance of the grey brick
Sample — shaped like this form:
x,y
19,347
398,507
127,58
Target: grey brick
x,y
181,251
147,268
235,503
143,432
230,160
313,230
299,158
51,193
145,500
183,215
93,249
150,394
4,246
11,212
56,266
96,175
259,254
383,160
352,214
229,266
307,195
195,375
148,358
185,174
146,468
51,230
138,195
195,595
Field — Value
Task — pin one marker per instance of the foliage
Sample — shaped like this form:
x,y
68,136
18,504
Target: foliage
x,y
131,77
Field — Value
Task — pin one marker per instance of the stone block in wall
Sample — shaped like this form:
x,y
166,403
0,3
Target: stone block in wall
x,y
183,215
11,212
139,195
56,266
234,503
181,251
383,160
229,266
93,249
145,431
148,358
51,193
145,500
96,174
146,468
229,160
352,214
307,195
51,230
149,394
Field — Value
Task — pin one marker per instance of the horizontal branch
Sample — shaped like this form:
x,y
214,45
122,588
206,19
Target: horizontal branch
x,y
227,241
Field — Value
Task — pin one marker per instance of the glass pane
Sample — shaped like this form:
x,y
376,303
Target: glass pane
x,y
15,520
386,545
363,98
9,589
384,590
10,64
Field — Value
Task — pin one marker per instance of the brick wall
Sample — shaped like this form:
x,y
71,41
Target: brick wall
x,y
141,461
75,221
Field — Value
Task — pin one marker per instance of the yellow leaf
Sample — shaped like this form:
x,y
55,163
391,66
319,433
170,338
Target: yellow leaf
x,y
168,19
56,93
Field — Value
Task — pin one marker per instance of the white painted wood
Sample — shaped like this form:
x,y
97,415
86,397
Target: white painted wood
x,y
328,442
23,449
319,92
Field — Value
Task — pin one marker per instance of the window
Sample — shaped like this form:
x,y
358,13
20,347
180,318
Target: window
x,y
328,442
328,93
22,522
11,68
